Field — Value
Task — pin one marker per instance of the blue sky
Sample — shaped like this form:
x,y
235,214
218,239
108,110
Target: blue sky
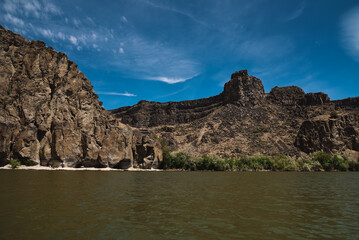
x,y
172,50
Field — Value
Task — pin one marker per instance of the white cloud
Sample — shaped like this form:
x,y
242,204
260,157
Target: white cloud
x,y
46,32
169,80
121,50
154,59
38,9
32,7
61,35
14,20
350,29
90,20
297,13
171,94
172,9
124,19
73,40
10,6
52,8
126,94
76,21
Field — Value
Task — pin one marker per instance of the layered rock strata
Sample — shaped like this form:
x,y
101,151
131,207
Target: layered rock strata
x,y
243,120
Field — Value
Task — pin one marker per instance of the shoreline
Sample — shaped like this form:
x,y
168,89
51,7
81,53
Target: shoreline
x,y
45,168
107,169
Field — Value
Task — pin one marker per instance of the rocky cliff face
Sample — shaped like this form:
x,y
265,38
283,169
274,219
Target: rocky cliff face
x,y
50,115
243,120
242,89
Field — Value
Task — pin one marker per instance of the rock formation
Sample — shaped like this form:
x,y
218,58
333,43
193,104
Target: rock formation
x,y
243,120
50,114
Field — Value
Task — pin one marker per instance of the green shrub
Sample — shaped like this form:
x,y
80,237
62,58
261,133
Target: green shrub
x,y
284,163
317,161
230,163
14,163
339,163
304,164
206,163
179,160
353,165
167,158
324,159
183,161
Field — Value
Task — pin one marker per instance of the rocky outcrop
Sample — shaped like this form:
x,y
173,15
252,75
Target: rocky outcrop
x,y
294,95
311,99
347,103
242,90
243,120
329,135
50,115
286,95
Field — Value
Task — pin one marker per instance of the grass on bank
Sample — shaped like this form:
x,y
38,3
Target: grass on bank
x,y
318,161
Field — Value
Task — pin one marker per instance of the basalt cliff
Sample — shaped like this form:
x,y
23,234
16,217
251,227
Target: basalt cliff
x,y
244,120
50,115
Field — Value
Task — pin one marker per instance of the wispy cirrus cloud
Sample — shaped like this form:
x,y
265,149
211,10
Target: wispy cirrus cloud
x,y
149,60
38,19
169,80
350,32
172,93
126,94
175,10
296,14
14,20
34,8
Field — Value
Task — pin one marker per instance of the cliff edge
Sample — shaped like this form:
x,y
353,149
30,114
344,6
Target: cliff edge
x,y
50,115
244,120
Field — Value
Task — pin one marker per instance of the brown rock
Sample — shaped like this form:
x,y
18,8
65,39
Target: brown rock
x,y
243,120
50,115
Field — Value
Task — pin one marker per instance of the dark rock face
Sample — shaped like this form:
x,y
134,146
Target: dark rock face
x,y
315,99
50,115
242,90
329,135
243,120
286,95
347,103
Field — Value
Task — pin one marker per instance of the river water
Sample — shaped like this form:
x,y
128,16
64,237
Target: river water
x,y
178,205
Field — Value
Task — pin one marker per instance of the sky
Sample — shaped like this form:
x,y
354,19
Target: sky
x,y
174,50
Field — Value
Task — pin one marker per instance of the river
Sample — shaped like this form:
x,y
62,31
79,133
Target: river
x,y
178,205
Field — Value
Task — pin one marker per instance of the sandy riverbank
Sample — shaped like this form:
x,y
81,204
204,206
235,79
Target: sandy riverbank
x,y
8,167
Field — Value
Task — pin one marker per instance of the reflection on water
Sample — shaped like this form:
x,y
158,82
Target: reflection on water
x,y
178,205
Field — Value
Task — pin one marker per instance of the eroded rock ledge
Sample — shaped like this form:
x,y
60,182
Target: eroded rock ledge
x,y
243,120
50,115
